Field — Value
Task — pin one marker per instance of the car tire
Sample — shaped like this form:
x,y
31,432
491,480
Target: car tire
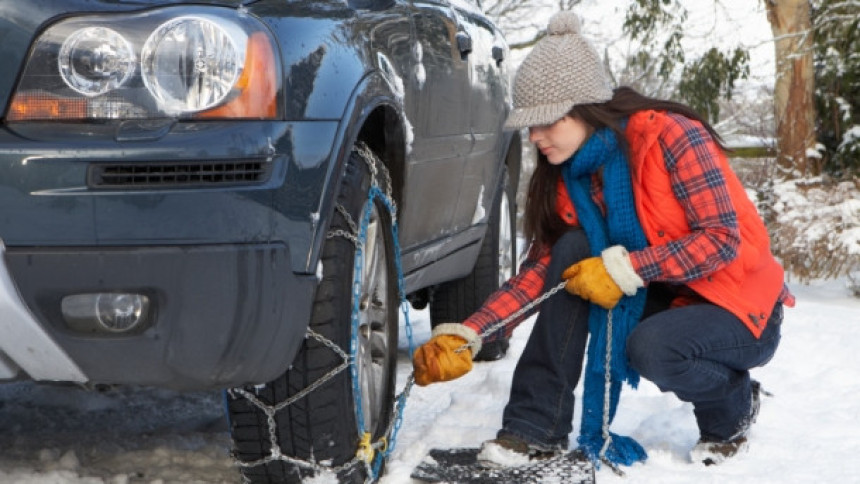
x,y
323,426
456,300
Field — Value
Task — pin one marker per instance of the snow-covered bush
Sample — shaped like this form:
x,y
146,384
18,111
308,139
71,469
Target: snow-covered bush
x,y
815,228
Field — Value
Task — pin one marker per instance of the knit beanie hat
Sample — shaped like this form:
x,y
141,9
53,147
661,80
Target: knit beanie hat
x,y
561,71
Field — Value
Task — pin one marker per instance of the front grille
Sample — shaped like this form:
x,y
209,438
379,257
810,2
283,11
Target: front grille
x,y
178,174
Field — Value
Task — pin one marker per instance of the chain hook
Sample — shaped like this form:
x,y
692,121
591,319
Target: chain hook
x,y
365,451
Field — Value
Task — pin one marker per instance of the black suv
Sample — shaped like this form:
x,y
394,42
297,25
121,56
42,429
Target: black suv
x,y
202,195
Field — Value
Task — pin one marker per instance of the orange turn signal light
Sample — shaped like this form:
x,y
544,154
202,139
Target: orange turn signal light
x,y
258,85
41,105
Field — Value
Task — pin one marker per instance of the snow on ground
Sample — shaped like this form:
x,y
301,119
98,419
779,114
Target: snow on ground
x,y
809,431
52,434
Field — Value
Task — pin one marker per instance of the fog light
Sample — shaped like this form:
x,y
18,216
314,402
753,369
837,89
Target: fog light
x,y
110,312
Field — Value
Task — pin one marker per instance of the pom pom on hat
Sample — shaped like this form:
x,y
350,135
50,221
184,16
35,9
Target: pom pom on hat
x,y
564,22
561,71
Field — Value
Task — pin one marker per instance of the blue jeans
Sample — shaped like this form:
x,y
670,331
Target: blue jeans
x,y
702,353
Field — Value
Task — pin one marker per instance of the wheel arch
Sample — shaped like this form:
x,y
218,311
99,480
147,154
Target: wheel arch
x,y
374,115
514,156
382,131
512,159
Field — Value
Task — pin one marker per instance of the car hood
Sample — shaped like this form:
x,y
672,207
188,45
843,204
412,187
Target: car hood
x,y
20,21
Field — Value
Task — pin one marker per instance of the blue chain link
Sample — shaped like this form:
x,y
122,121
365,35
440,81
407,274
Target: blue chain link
x,y
400,403
356,300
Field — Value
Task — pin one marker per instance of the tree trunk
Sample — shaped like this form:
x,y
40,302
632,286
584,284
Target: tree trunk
x,y
791,24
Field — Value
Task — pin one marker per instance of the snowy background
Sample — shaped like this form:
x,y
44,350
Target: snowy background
x,y
808,432
726,24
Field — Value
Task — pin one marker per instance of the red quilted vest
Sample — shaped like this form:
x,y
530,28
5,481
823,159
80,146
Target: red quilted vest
x,y
750,285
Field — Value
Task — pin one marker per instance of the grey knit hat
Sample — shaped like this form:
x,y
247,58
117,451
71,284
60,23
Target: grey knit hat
x,y
561,71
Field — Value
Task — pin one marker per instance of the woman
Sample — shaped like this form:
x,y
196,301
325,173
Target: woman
x,y
632,203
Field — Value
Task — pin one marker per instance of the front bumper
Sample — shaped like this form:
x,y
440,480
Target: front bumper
x,y
24,343
224,315
226,262
55,190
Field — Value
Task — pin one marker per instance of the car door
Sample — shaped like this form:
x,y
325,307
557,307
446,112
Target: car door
x,y
487,111
437,110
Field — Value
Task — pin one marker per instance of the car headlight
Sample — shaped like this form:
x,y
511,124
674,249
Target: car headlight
x,y
94,60
182,62
190,64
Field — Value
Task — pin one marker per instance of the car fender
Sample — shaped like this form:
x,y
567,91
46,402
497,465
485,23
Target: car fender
x,y
320,58
322,55
374,92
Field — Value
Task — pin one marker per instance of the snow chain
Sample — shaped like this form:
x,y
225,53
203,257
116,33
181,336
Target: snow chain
x,y
501,324
369,454
607,387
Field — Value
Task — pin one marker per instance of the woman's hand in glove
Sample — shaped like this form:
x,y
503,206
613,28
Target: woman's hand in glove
x,y
446,356
438,360
603,280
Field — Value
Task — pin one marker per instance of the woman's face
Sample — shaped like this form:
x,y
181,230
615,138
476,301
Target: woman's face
x,y
560,140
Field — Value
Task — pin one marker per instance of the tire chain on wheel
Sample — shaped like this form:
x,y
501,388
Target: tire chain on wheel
x,y
270,410
382,447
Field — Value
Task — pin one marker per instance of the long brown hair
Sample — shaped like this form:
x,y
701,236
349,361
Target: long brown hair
x,y
542,224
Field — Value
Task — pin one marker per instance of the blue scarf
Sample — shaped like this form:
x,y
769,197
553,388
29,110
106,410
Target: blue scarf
x,y
620,227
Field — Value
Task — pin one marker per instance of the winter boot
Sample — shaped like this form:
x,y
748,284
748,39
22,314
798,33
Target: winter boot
x,y
711,451
510,450
716,452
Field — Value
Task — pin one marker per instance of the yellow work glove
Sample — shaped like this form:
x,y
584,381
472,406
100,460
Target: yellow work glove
x,y
439,360
603,280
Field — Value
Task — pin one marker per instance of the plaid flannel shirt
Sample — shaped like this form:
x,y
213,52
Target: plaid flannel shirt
x,y
691,158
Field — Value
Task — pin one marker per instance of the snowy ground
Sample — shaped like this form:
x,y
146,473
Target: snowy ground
x,y
809,431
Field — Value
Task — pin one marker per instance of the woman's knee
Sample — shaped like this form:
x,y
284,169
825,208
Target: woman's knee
x,y
648,352
637,351
571,247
